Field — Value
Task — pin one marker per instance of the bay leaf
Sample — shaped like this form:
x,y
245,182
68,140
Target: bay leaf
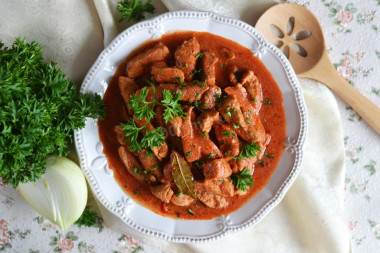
x,y
182,175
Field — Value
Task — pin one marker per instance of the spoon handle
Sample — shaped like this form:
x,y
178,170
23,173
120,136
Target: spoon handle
x,y
326,73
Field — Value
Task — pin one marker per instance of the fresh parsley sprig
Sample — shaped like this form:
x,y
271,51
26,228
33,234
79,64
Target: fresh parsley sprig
x,y
88,218
132,131
172,107
151,139
154,138
248,151
242,180
142,108
134,9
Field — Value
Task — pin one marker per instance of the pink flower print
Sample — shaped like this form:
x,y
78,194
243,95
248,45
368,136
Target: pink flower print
x,y
4,235
345,72
346,61
65,245
359,56
352,225
131,241
344,17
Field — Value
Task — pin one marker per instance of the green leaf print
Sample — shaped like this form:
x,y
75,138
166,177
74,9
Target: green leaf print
x,y
371,167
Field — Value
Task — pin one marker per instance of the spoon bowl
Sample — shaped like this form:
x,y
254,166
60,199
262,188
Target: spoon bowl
x,y
298,34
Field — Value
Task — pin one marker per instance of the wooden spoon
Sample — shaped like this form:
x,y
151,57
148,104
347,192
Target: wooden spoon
x,y
297,32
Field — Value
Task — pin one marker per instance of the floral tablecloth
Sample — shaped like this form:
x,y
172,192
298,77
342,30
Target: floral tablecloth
x,y
352,33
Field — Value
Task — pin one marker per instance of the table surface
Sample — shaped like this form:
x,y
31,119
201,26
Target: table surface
x,y
352,33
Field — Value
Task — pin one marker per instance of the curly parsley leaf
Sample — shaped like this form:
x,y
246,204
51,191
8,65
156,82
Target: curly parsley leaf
x,y
172,107
132,131
248,151
134,9
154,138
88,218
40,108
141,107
243,180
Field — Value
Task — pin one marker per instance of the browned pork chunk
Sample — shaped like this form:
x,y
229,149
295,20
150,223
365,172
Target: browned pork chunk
x,y
127,87
252,85
207,119
210,194
249,127
191,92
120,136
162,192
167,75
195,146
208,62
240,165
185,57
227,139
150,163
210,97
138,65
168,172
181,200
131,164
217,169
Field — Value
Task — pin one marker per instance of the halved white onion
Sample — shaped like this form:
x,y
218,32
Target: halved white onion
x,y
60,195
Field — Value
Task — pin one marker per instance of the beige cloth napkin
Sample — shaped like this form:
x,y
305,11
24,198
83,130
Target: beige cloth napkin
x,y
309,219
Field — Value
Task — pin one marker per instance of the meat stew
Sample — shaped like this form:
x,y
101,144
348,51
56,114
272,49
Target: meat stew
x,y
194,125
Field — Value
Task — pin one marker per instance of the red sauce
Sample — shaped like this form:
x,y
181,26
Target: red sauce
x,y
272,115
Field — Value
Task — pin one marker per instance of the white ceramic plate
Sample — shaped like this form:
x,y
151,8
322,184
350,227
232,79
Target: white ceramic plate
x,y
94,163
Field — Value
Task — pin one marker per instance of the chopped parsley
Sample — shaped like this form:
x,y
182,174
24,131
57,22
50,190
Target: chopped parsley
x,y
200,83
196,72
182,84
136,170
191,212
227,133
199,55
189,153
267,101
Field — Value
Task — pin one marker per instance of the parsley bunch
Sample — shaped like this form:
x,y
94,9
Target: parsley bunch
x,y
40,108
